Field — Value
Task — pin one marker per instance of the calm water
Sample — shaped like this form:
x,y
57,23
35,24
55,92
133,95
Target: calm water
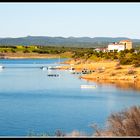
x,y
31,101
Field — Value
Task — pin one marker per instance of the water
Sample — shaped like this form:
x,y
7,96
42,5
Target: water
x,y
32,102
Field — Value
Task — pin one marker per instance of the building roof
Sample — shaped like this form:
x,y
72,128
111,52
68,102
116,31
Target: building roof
x,y
100,48
125,41
116,44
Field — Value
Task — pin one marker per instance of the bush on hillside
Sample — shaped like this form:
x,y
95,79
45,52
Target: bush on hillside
x,y
136,63
26,51
131,71
118,66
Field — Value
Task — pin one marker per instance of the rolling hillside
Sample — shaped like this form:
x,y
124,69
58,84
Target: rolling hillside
x,y
62,41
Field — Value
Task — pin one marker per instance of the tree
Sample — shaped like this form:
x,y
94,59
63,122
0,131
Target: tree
x,y
26,51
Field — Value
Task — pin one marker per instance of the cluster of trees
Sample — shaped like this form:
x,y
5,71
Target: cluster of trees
x,y
125,57
30,49
40,49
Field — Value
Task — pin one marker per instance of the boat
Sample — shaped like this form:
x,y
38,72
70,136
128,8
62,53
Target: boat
x,y
48,68
1,67
88,86
53,75
85,71
51,68
71,69
44,68
76,72
54,67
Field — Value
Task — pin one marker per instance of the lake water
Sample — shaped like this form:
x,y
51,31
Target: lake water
x,y
30,101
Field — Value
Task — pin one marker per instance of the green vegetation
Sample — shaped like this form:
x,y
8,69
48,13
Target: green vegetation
x,y
43,50
126,57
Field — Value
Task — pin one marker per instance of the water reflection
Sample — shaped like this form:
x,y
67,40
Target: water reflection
x,y
121,84
29,99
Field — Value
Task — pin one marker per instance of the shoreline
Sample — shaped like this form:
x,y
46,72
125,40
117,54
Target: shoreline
x,y
121,84
124,76
105,71
28,56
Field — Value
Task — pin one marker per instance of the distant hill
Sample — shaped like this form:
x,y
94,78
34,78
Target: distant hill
x,y
62,41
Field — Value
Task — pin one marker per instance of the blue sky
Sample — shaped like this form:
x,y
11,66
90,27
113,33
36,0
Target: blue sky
x,y
70,19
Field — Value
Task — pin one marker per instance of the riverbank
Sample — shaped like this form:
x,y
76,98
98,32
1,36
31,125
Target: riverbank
x,y
20,55
123,76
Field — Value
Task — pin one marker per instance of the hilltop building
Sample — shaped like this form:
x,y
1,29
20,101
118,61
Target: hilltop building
x,y
118,46
127,43
122,45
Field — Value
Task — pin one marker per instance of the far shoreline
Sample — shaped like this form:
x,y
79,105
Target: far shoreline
x,y
8,56
27,58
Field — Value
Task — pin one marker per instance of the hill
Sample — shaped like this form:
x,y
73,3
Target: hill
x,y
63,41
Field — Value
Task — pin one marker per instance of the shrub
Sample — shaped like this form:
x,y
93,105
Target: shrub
x,y
131,71
125,61
136,63
118,66
59,133
100,69
13,51
124,123
26,51
76,133
113,74
41,51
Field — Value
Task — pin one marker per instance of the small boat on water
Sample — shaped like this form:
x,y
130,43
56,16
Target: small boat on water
x,y
44,68
88,86
71,69
87,71
48,68
52,68
53,75
1,67
76,72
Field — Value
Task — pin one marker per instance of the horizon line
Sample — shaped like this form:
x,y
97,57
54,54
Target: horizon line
x,y
68,36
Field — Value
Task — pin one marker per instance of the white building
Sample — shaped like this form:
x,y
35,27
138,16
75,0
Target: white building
x,y
121,46
101,49
116,46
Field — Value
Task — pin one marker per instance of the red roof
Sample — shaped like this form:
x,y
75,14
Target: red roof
x,y
125,41
101,48
116,44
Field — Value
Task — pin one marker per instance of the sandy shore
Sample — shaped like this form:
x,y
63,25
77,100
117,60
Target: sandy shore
x,y
104,71
124,76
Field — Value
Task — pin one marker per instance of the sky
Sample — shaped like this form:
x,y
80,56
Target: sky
x,y
70,19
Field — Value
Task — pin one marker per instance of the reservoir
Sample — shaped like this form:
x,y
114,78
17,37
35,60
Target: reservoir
x,y
30,101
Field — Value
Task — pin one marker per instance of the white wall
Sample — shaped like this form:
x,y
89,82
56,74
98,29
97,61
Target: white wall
x,y
116,47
